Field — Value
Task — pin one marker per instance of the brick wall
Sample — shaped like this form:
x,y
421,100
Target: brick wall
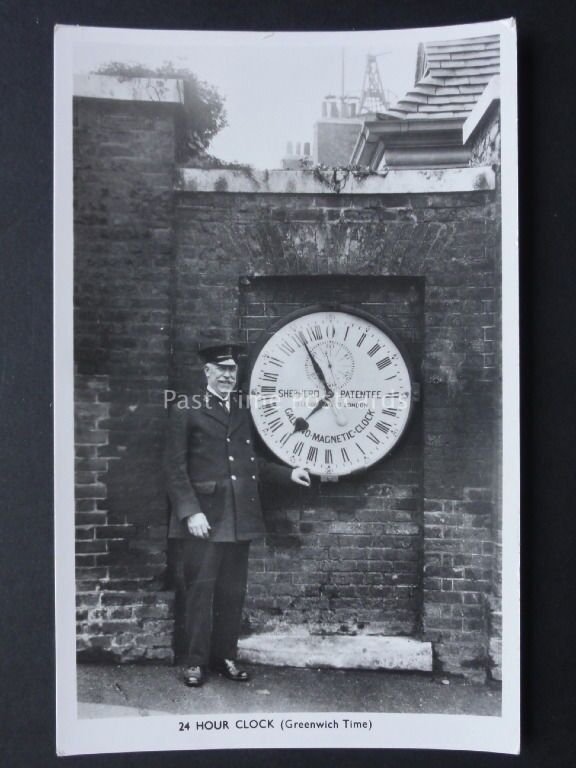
x,y
124,166
450,241
485,145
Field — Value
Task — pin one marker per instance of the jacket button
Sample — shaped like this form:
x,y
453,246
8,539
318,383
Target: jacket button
x,y
252,458
231,458
253,477
232,477
248,442
227,439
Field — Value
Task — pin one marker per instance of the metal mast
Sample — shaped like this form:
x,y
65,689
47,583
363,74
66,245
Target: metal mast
x,y
373,98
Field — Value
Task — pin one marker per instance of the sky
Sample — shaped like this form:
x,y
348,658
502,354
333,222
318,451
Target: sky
x,y
273,90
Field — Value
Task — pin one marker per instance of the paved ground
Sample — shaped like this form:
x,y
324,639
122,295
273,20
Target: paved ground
x,y
113,691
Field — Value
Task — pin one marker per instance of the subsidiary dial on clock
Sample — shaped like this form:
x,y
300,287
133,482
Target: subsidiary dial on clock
x,y
330,391
335,359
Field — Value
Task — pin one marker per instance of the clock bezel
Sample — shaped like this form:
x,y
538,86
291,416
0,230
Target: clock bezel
x,y
277,325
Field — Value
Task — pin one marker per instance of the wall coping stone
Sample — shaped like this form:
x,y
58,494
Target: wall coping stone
x,y
225,180
490,96
150,89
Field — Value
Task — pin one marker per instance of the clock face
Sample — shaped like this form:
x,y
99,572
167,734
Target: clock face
x,y
331,392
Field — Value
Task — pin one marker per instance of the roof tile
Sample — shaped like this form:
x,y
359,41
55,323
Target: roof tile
x,y
460,99
465,42
447,90
425,88
452,64
405,106
466,71
478,55
477,90
443,108
415,97
445,56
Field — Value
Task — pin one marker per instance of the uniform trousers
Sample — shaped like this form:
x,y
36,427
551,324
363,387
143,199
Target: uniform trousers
x,y
213,582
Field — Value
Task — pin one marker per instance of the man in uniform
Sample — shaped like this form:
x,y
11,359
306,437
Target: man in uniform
x,y
212,476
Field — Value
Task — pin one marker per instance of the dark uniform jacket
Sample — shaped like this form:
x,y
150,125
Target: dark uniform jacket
x,y
211,467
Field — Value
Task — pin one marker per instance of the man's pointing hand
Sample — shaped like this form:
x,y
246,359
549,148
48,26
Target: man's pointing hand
x,y
300,476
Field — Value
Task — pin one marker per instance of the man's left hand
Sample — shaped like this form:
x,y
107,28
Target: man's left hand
x,y
300,476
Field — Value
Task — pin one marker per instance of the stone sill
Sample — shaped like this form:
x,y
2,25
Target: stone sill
x,y
478,179
290,649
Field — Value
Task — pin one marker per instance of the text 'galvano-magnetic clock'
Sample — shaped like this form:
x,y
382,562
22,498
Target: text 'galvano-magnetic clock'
x,y
330,390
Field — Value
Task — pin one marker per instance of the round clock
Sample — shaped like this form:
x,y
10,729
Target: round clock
x,y
330,390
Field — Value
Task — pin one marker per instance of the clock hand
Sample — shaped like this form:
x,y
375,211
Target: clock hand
x,y
330,364
300,424
339,415
319,372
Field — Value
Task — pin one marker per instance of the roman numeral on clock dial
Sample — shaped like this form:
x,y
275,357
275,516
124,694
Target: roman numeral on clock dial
x,y
285,346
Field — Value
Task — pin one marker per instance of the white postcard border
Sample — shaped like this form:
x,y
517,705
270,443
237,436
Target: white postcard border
x,y
154,733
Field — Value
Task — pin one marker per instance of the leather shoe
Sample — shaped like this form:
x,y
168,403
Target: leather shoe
x,y
229,669
194,677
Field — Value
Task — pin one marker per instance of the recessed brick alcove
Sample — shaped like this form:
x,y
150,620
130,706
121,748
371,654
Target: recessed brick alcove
x,y
343,556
